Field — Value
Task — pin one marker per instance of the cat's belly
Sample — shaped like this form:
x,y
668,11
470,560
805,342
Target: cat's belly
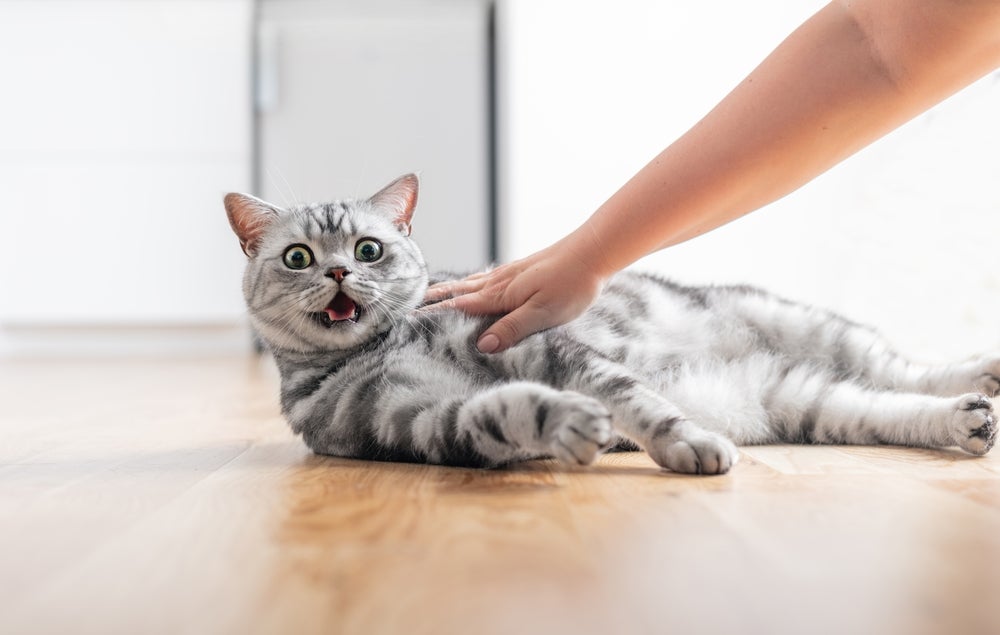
x,y
665,333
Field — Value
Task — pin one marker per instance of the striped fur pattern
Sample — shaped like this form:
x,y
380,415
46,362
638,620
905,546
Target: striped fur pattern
x,y
684,373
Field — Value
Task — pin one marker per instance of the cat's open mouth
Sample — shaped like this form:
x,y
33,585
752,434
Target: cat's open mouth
x,y
341,309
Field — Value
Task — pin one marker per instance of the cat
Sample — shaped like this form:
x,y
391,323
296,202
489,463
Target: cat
x,y
684,373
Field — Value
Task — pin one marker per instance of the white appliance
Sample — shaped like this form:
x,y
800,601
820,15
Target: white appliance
x,y
351,95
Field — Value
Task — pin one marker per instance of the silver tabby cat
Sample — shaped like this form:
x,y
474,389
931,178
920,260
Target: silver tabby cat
x,y
683,373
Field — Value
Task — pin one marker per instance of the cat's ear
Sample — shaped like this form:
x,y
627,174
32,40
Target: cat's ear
x,y
249,217
397,201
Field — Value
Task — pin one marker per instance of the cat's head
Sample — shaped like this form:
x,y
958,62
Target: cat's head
x,y
329,276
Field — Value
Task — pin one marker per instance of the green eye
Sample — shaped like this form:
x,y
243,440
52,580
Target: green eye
x,y
368,250
298,257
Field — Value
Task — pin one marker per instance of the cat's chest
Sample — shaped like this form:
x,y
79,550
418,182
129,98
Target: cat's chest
x,y
446,344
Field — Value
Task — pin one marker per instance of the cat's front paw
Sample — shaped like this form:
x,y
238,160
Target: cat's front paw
x,y
576,427
974,424
694,451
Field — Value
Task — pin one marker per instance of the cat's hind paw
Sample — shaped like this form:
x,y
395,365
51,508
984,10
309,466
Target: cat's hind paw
x,y
989,382
578,428
981,374
975,424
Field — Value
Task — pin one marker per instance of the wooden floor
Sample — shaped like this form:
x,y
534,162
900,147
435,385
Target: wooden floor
x,y
169,497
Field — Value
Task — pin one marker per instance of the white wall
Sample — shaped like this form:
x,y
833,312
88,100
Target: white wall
x,y
122,125
901,236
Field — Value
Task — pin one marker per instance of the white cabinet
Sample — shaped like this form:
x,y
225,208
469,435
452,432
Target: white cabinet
x,y
122,124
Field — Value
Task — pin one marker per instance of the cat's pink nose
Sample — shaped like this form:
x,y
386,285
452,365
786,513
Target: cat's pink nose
x,y
338,273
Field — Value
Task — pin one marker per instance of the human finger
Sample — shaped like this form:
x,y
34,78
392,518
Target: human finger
x,y
453,288
478,303
479,275
527,319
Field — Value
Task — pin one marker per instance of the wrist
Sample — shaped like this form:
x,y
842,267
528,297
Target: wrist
x,y
589,253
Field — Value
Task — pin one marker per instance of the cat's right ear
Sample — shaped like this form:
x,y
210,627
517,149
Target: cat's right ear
x,y
249,217
397,201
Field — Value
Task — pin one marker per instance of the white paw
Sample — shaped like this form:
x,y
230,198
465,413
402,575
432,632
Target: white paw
x,y
981,374
578,428
974,423
695,451
988,380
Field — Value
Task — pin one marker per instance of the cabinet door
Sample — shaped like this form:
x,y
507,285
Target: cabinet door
x,y
122,126
353,95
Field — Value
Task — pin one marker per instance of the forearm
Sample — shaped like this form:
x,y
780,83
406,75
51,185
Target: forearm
x,y
850,74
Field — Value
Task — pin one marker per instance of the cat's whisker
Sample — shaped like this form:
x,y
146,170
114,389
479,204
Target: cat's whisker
x,y
286,203
286,320
295,198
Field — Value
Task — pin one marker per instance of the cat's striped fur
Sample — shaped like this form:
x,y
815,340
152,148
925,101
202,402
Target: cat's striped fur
x,y
681,372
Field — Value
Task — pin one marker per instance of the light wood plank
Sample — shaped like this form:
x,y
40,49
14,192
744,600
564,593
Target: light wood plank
x,y
168,496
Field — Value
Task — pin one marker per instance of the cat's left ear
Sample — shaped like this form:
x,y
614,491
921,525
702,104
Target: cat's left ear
x,y
397,201
249,217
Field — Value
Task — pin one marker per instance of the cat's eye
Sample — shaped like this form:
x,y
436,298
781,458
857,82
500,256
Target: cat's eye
x,y
368,250
298,257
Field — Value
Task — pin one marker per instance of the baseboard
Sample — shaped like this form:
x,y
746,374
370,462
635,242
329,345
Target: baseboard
x,y
124,340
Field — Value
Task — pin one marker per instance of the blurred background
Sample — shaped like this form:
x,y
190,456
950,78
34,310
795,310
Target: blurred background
x,y
124,122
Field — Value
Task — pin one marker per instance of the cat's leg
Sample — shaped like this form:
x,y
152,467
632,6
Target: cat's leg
x,y
641,414
514,422
450,421
809,407
854,351
981,374
668,435
859,353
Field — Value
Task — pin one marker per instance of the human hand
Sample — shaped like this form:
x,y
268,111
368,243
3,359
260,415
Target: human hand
x,y
546,289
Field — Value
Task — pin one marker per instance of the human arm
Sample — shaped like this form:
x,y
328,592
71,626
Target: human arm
x,y
847,76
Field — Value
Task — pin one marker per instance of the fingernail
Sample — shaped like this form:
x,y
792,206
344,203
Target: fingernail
x,y
488,343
